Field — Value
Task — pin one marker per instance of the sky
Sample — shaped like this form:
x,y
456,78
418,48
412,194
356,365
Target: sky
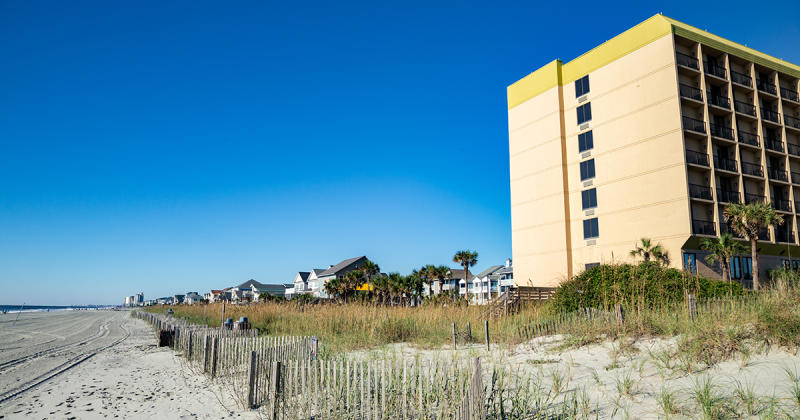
x,y
167,147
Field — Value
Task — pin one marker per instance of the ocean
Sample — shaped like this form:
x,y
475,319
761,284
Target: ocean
x,y
40,308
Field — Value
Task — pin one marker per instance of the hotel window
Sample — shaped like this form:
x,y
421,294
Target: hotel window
x,y
582,86
742,267
590,229
796,265
584,113
690,262
589,198
787,264
585,141
587,169
590,265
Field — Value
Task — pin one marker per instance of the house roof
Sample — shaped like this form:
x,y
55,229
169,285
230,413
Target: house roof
x,y
488,271
457,273
341,266
502,271
250,283
303,275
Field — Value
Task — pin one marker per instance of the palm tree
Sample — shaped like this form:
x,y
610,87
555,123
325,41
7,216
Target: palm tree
x,y
441,273
721,251
380,286
647,250
395,286
748,220
427,275
467,259
369,269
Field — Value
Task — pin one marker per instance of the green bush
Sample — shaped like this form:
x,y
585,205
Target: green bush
x,y
645,284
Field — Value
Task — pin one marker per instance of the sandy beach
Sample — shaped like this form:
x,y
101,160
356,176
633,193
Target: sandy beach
x,y
97,364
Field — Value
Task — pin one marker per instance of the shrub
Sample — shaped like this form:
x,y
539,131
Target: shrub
x,y
644,284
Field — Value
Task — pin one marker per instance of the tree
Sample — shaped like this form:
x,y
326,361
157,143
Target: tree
x,y
427,275
647,250
395,286
467,259
749,220
380,286
369,269
441,273
721,250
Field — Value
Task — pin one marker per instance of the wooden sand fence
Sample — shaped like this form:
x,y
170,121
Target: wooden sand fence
x,y
285,377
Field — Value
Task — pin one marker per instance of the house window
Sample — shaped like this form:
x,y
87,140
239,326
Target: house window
x,y
585,141
584,113
589,198
690,262
582,86
590,229
587,169
590,265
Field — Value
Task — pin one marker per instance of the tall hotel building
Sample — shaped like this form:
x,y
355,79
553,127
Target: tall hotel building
x,y
651,134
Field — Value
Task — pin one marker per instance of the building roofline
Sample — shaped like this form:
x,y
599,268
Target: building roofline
x,y
556,73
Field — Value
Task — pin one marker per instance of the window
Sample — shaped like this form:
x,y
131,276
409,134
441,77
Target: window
x,y
587,169
589,198
796,265
584,113
690,262
787,264
590,265
590,229
585,141
742,267
582,86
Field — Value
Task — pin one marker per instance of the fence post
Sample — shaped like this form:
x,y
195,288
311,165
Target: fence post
x,y
620,314
469,332
692,302
214,351
275,388
205,355
486,328
189,350
454,336
251,383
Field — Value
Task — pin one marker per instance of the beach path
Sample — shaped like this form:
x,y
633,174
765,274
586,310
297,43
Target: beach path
x,y
96,364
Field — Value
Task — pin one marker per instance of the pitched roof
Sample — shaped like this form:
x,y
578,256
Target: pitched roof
x,y
341,266
249,284
303,275
488,271
502,271
457,273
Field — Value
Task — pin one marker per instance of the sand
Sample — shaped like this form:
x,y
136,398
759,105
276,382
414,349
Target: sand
x,y
98,364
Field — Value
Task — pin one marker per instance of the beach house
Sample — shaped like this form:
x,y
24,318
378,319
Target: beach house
x,y
334,271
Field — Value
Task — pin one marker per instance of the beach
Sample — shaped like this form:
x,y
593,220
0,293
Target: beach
x,y
97,364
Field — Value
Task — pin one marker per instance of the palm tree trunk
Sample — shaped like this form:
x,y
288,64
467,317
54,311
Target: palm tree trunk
x,y
754,254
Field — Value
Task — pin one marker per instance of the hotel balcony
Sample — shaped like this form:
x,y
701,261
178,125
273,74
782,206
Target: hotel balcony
x,y
726,229
704,227
795,177
777,175
794,149
725,164
748,138
752,169
783,205
718,101
754,198
789,95
721,131
715,70
741,79
696,158
687,61
782,234
745,108
693,124
774,144
791,122
690,92
725,196
770,115
766,86
700,191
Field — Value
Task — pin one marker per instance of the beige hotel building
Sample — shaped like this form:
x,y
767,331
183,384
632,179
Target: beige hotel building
x,y
651,134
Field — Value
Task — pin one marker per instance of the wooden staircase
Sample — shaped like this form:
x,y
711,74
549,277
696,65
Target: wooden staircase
x,y
511,301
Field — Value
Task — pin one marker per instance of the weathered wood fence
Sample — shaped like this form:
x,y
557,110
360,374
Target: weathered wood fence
x,y
285,377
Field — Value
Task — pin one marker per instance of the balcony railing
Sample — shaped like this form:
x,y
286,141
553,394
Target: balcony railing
x,y
770,115
690,92
789,94
727,229
763,235
782,235
725,164
694,124
696,158
704,227
748,138
745,108
721,131
719,100
795,176
783,205
687,61
766,86
778,174
752,169
774,144
754,198
715,69
741,79
791,121
700,191
725,196
794,149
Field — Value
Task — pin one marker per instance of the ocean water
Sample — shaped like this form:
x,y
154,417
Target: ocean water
x,y
39,308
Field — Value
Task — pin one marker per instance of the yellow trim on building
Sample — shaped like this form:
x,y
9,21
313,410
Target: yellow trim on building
x,y
555,73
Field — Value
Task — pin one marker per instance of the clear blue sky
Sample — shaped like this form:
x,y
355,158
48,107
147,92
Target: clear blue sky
x,y
186,145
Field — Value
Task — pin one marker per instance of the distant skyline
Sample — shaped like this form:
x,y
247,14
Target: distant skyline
x,y
167,147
